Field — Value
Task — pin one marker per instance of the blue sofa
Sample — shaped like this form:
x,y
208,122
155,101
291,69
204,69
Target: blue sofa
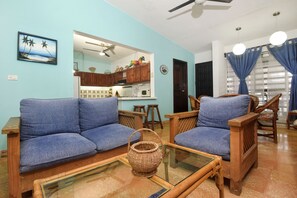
x,y
56,135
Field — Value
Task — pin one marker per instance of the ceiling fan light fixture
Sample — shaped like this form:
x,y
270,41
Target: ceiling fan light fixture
x,y
239,48
197,10
278,38
101,53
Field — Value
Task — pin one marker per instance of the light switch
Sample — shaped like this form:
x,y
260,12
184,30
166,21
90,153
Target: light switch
x,y
12,77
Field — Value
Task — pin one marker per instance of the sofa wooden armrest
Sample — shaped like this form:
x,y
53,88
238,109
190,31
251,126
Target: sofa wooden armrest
x,y
12,126
12,129
131,119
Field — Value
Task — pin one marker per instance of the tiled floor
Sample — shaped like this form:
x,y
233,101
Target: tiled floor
x,y
276,175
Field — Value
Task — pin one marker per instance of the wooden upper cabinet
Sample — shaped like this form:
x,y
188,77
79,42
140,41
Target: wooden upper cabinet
x,y
139,73
130,75
145,72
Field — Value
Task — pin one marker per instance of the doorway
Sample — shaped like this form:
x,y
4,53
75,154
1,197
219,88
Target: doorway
x,y
204,82
180,86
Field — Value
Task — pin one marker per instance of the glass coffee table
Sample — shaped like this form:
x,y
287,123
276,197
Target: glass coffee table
x,y
181,171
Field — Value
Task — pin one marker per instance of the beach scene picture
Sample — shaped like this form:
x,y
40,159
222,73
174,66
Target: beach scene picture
x,y
37,49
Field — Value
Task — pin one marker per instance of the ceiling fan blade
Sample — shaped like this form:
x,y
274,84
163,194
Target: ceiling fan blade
x,y
222,1
181,5
179,14
87,42
91,50
110,48
106,54
215,7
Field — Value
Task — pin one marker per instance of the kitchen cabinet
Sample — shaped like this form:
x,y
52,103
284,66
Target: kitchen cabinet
x,y
137,74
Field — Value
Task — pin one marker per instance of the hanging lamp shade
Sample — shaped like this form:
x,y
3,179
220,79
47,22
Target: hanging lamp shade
x,y
278,38
239,49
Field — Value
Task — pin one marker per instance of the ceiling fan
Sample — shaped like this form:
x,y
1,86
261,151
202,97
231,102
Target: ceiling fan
x,y
103,51
198,7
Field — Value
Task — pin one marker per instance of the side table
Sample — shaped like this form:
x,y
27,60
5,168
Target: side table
x,y
290,113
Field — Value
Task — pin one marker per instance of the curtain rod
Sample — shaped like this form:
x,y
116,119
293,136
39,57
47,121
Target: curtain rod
x,y
225,54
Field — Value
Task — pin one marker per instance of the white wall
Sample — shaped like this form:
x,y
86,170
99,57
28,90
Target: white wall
x,y
219,70
203,57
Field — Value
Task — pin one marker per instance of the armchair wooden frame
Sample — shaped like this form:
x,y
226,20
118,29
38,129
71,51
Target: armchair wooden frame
x,y
243,143
273,106
19,183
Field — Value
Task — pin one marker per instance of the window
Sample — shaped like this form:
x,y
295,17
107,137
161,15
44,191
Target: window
x,y
267,79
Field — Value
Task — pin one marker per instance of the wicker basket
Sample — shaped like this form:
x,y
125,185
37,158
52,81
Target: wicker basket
x,y
144,156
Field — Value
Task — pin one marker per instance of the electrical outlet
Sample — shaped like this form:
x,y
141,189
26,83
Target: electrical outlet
x,y
12,77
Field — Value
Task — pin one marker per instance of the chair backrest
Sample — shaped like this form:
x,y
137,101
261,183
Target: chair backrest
x,y
194,102
272,104
253,104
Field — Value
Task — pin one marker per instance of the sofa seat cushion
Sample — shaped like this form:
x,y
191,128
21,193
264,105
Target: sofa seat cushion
x,y
41,117
45,151
216,112
97,112
110,136
208,139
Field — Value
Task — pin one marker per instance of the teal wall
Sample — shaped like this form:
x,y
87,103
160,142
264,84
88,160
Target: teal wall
x,y
85,61
57,20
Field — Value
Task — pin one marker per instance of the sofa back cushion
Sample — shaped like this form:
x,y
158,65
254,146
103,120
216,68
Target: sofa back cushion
x,y
97,112
41,117
215,112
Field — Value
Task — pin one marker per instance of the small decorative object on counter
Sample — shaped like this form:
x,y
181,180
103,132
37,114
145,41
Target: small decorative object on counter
x,y
117,94
92,69
145,156
137,62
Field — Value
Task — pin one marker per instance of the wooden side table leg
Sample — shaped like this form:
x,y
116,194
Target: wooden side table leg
x,y
220,182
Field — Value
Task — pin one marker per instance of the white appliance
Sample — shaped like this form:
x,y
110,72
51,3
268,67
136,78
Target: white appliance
x,y
76,86
127,91
145,92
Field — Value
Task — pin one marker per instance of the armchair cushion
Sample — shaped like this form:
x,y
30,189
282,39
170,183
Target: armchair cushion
x,y
97,112
215,112
41,117
208,139
48,150
111,136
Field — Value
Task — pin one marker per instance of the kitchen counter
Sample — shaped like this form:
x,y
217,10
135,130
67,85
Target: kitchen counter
x,y
136,98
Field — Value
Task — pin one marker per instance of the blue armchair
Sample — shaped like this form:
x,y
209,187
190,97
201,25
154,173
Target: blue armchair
x,y
224,127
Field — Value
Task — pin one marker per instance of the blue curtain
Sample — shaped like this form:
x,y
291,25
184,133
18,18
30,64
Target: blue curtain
x,y
243,65
286,55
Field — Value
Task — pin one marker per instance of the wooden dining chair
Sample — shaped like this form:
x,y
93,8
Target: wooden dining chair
x,y
268,117
194,102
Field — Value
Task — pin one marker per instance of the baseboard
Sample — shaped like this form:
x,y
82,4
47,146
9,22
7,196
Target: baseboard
x,y
3,153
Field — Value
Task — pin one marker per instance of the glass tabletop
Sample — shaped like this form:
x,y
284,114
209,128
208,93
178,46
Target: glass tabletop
x,y
115,178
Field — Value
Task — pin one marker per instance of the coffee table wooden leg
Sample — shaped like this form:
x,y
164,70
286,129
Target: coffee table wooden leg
x,y
220,182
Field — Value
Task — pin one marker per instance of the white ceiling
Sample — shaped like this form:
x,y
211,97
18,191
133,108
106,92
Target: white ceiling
x,y
196,34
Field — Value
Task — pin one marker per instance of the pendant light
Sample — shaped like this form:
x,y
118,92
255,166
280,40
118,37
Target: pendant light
x,y
239,48
278,37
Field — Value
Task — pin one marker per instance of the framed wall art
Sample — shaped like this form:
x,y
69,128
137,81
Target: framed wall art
x,y
37,49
